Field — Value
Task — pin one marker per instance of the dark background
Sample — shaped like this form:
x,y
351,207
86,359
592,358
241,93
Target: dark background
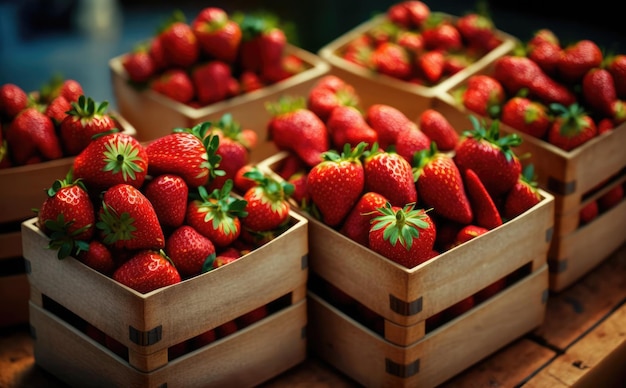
x,y
76,38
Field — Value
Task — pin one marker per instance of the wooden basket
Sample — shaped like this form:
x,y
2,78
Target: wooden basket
x,y
154,115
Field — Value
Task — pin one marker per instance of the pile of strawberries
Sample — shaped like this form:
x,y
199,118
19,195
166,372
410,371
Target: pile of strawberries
x,y
152,215
407,190
414,45
565,94
47,124
214,57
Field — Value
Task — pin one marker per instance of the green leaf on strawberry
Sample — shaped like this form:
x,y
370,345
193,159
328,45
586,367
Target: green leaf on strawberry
x,y
401,226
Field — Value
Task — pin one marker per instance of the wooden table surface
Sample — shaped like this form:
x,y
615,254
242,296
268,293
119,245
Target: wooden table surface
x,y
582,342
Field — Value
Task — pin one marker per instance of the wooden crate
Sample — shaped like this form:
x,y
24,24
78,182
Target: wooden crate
x,y
154,115
244,359
408,97
373,361
149,324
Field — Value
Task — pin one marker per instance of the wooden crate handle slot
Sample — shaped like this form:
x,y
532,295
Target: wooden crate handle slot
x,y
405,308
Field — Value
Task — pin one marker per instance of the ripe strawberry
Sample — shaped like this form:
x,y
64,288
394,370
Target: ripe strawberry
x,y
490,156
605,125
70,89
217,215
598,91
455,62
329,92
572,127
405,235
250,81
588,213
578,58
526,115
440,185
99,257
543,35
336,183
252,317
347,125
112,158
616,65
155,49
476,29
522,196
388,122
295,128
187,152
411,40
241,182
57,110
483,95
431,65
611,198
267,203
226,256
440,34
438,129
409,14
13,99
139,65
272,43
179,43
168,194
391,175
147,271
469,232
86,119
191,252
30,134
218,36
359,51
174,83
212,81
357,223
67,216
391,59
546,55
232,149
127,219
486,213
411,141
300,193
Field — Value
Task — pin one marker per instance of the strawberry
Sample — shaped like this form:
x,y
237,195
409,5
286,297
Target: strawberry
x,y
179,43
476,29
336,183
409,14
250,81
86,119
217,215
67,216
218,36
174,83
157,53
13,99
572,127
411,141
483,95
147,271
347,125
300,194
440,185
440,34
127,219
405,235
329,92
70,89
431,65
267,203
616,65
490,156
469,232
252,316
605,125
99,257
191,252
359,51
522,196
294,127
111,158
168,194
226,329
234,153
438,129
357,223
226,256
543,35
526,115
460,307
412,41
486,213
611,198
272,43
391,59
388,122
187,152
546,55
30,134
578,58
139,65
58,109
455,62
598,91
212,81
241,182
588,212
389,174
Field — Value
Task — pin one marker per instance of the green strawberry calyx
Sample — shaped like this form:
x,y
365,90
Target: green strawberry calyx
x,y
86,108
220,207
211,143
115,227
230,129
349,154
121,155
421,159
492,136
285,104
274,190
400,225
572,118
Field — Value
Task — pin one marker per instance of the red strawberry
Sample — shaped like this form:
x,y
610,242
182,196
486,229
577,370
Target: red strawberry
x,y
168,194
485,211
99,257
294,127
605,125
405,235
526,115
409,14
232,149
179,43
412,41
187,152
616,65
391,175
32,133
70,89
347,125
483,95
112,158
546,54
391,59
267,203
13,99
357,223
329,92
543,35
469,232
490,156
67,216
139,65
460,307
155,49
226,329
611,198
440,185
411,141
578,58
253,316
438,129
127,219
217,215
359,51
572,127
212,81
272,44
250,81
226,256
57,109
388,122
476,29
522,196
598,91
218,36
241,182
455,62
300,193
86,119
588,212
431,65
175,84
191,252
442,36
147,271
336,183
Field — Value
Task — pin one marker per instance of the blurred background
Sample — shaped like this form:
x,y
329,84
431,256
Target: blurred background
x,y
77,38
